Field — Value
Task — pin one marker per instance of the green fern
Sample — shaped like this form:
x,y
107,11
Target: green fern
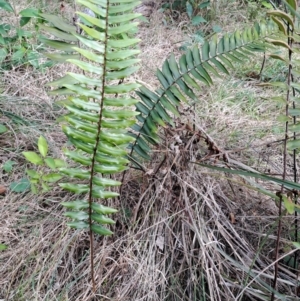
x,y
180,81
99,115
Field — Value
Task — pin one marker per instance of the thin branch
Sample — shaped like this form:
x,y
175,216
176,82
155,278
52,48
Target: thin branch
x,y
284,174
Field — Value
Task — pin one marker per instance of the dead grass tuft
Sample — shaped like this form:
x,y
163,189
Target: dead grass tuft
x,y
183,232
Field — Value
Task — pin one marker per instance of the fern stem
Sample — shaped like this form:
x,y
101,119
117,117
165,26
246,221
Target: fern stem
x,y
99,129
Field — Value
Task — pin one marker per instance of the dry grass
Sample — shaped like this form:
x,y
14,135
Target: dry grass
x,y
183,232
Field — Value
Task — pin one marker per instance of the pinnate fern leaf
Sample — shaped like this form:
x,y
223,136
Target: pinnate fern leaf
x,y
98,104
180,81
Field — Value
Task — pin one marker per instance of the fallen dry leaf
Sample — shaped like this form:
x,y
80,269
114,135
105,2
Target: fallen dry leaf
x,y
160,241
2,189
232,218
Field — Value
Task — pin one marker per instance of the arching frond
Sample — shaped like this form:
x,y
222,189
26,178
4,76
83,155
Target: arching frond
x,y
180,80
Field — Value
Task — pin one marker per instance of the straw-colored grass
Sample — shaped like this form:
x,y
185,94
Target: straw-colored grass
x,y
183,232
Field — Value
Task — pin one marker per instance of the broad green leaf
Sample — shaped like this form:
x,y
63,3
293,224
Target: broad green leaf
x,y
76,205
94,21
283,15
50,162
217,28
156,117
101,230
29,12
115,65
102,219
89,55
23,33
116,159
115,137
280,24
45,187
59,23
288,204
118,114
59,163
61,57
202,70
198,20
109,169
117,124
79,135
78,215
293,144
106,182
3,55
86,105
169,106
294,112
101,209
162,79
6,6
120,89
24,21
8,166
205,51
163,113
121,74
43,146
122,54
18,55
3,128
189,9
84,115
174,67
213,45
78,225
81,125
113,9
76,188
292,3
219,65
279,43
142,108
76,173
20,186
296,86
94,33
99,47
278,57
34,188
58,33
59,45
3,247
267,4
294,128
99,10
90,93
87,66
33,157
122,43
140,151
51,177
33,174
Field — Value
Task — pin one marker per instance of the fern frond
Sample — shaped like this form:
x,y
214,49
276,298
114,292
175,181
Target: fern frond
x,y
98,119
180,80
